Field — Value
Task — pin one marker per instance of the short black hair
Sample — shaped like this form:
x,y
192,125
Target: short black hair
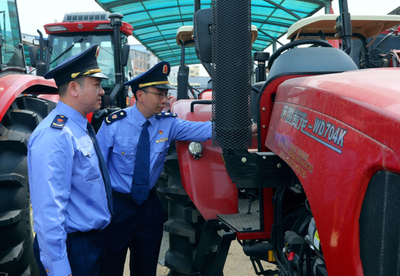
x,y
62,89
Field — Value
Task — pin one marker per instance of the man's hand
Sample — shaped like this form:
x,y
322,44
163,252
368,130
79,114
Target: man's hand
x,y
254,130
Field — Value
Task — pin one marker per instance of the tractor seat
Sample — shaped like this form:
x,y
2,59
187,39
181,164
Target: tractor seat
x,y
311,61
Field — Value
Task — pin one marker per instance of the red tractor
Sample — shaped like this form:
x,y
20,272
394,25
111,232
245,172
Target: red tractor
x,y
74,34
20,112
26,99
316,192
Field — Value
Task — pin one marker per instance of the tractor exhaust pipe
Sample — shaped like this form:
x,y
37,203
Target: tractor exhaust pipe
x,y
231,71
117,97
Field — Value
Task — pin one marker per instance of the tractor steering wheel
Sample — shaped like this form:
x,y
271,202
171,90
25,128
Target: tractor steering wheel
x,y
293,44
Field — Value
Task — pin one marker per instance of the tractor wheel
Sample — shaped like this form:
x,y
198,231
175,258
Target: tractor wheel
x,y
193,242
16,232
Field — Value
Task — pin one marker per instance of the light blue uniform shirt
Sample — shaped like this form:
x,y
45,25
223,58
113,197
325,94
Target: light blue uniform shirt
x,y
118,143
66,186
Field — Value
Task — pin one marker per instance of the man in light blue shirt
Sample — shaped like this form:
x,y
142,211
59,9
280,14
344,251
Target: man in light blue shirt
x,y
68,193
138,215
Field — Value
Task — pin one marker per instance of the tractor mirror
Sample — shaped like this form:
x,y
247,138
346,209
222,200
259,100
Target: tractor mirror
x,y
33,52
202,34
125,54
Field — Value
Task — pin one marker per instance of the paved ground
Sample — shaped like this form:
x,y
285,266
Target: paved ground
x,y
237,263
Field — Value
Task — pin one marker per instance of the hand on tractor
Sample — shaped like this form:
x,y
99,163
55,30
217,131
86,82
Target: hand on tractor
x,y
254,130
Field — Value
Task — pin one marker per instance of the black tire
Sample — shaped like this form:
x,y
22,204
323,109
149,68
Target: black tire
x,y
193,242
16,232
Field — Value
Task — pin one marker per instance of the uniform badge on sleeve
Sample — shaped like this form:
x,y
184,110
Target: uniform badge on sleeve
x,y
59,122
117,115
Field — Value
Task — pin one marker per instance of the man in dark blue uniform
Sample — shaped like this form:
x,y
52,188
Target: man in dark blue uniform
x,y
134,143
70,191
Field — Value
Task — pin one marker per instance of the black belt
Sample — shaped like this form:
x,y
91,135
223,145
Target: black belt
x,y
128,196
81,234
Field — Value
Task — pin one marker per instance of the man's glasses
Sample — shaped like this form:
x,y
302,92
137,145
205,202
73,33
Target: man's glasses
x,y
160,95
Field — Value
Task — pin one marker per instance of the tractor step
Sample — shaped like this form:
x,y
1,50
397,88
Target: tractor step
x,y
244,221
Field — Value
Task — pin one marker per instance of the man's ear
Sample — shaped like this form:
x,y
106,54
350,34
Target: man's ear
x,y
73,88
139,95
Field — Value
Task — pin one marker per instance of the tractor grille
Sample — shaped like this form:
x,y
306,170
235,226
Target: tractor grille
x,y
380,224
231,71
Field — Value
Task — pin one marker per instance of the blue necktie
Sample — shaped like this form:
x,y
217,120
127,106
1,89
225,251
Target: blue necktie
x,y
103,168
140,182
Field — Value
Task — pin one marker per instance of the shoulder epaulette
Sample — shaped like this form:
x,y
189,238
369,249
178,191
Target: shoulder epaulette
x,y
166,114
117,115
59,122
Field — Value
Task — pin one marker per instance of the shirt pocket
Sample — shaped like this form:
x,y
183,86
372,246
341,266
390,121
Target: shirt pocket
x,y
123,157
160,152
89,164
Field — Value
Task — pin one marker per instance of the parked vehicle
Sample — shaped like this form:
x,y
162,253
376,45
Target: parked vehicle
x,y
316,192
20,112
75,33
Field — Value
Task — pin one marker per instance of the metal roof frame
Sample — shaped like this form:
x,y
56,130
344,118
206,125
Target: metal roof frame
x,y
155,22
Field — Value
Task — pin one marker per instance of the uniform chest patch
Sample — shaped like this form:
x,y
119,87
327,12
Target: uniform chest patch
x,y
162,140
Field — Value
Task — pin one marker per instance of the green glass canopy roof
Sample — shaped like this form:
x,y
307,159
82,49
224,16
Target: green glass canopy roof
x,y
156,22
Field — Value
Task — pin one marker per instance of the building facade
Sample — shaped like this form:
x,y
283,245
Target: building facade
x,y
195,80
141,59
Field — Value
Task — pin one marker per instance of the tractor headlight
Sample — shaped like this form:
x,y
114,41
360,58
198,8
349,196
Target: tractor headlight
x,y
56,28
195,148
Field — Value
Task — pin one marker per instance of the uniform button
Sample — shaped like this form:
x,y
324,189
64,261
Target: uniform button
x,y
47,270
123,152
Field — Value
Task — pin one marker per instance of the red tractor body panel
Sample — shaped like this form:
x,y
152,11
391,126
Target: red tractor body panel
x,y
205,180
87,26
316,122
372,94
11,86
266,105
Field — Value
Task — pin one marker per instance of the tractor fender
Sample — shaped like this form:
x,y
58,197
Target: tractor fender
x,y
205,180
11,86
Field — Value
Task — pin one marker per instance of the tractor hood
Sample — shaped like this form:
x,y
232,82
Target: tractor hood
x,y
366,100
